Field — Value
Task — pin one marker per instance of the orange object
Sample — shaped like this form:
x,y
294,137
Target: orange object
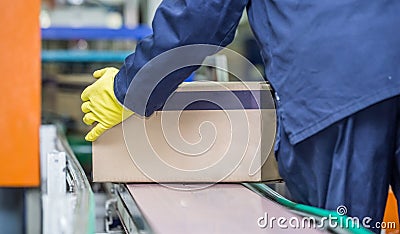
x,y
391,214
20,93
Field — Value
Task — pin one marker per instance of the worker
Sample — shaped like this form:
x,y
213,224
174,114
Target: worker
x,y
335,67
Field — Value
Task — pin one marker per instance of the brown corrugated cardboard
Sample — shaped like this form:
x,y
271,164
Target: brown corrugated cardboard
x,y
203,143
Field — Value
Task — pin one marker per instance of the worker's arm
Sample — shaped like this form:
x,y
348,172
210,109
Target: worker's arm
x,y
140,84
176,23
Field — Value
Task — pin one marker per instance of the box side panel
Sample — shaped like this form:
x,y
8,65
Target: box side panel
x,y
111,160
192,146
269,170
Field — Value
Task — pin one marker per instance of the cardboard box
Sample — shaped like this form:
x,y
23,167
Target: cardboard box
x,y
206,132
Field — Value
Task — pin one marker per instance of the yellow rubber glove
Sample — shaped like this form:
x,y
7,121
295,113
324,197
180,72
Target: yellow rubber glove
x,y
101,105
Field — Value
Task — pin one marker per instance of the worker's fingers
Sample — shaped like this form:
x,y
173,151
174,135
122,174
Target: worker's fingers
x,y
95,132
86,94
99,73
90,118
86,107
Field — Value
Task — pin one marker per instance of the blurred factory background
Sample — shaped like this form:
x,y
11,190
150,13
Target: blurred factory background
x,y
77,37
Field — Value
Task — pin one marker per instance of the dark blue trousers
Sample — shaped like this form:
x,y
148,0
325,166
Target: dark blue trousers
x,y
350,163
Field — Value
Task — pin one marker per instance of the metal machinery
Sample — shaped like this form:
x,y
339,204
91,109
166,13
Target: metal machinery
x,y
67,198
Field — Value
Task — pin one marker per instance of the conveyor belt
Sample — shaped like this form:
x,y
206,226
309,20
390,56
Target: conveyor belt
x,y
222,208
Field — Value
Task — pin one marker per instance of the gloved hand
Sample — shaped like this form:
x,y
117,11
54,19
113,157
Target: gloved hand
x,y
101,105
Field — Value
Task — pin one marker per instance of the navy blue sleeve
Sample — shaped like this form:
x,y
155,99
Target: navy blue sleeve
x,y
176,23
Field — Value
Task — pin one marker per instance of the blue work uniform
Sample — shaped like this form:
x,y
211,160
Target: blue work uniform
x,y
326,60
